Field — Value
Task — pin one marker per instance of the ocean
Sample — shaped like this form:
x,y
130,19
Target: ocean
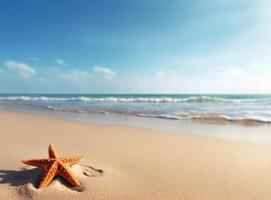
x,y
177,112
231,108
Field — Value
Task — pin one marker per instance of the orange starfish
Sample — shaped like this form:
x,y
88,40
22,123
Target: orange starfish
x,y
55,165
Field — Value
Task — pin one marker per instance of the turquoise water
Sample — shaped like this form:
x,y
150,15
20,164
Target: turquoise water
x,y
230,108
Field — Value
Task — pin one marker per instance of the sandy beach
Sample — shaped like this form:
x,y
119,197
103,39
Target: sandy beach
x,y
135,100
135,163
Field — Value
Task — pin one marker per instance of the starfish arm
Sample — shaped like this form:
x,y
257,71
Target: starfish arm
x,y
52,152
65,172
48,175
37,162
71,160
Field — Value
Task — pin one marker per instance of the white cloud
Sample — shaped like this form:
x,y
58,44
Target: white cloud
x,y
60,62
24,70
160,81
219,80
250,78
236,80
107,73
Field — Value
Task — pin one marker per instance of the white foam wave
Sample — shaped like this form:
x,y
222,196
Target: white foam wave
x,y
64,109
162,116
194,99
256,119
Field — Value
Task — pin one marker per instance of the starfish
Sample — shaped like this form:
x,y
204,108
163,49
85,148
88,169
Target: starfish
x,y
55,165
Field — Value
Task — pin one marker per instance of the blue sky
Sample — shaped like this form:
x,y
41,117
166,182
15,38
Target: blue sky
x,y
135,46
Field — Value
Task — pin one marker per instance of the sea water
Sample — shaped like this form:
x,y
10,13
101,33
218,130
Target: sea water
x,y
176,112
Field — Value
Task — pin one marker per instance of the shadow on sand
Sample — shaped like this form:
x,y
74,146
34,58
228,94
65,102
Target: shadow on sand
x,y
20,177
26,180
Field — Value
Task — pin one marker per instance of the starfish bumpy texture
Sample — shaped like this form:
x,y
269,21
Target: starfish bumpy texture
x,y
55,165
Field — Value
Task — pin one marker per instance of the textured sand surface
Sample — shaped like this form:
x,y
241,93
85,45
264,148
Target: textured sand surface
x,y
136,163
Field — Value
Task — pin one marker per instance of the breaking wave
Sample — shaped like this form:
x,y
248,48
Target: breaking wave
x,y
192,99
204,118
219,119
240,109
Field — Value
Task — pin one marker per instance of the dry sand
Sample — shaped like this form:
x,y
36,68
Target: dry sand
x,y
136,163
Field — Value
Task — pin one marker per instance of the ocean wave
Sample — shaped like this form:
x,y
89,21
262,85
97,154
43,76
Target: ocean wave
x,y
232,120
219,119
69,110
161,116
213,118
251,119
192,99
74,110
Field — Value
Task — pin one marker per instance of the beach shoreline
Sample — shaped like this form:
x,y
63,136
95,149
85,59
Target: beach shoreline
x,y
137,163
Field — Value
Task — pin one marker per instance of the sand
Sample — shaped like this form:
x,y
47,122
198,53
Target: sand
x,y
135,163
